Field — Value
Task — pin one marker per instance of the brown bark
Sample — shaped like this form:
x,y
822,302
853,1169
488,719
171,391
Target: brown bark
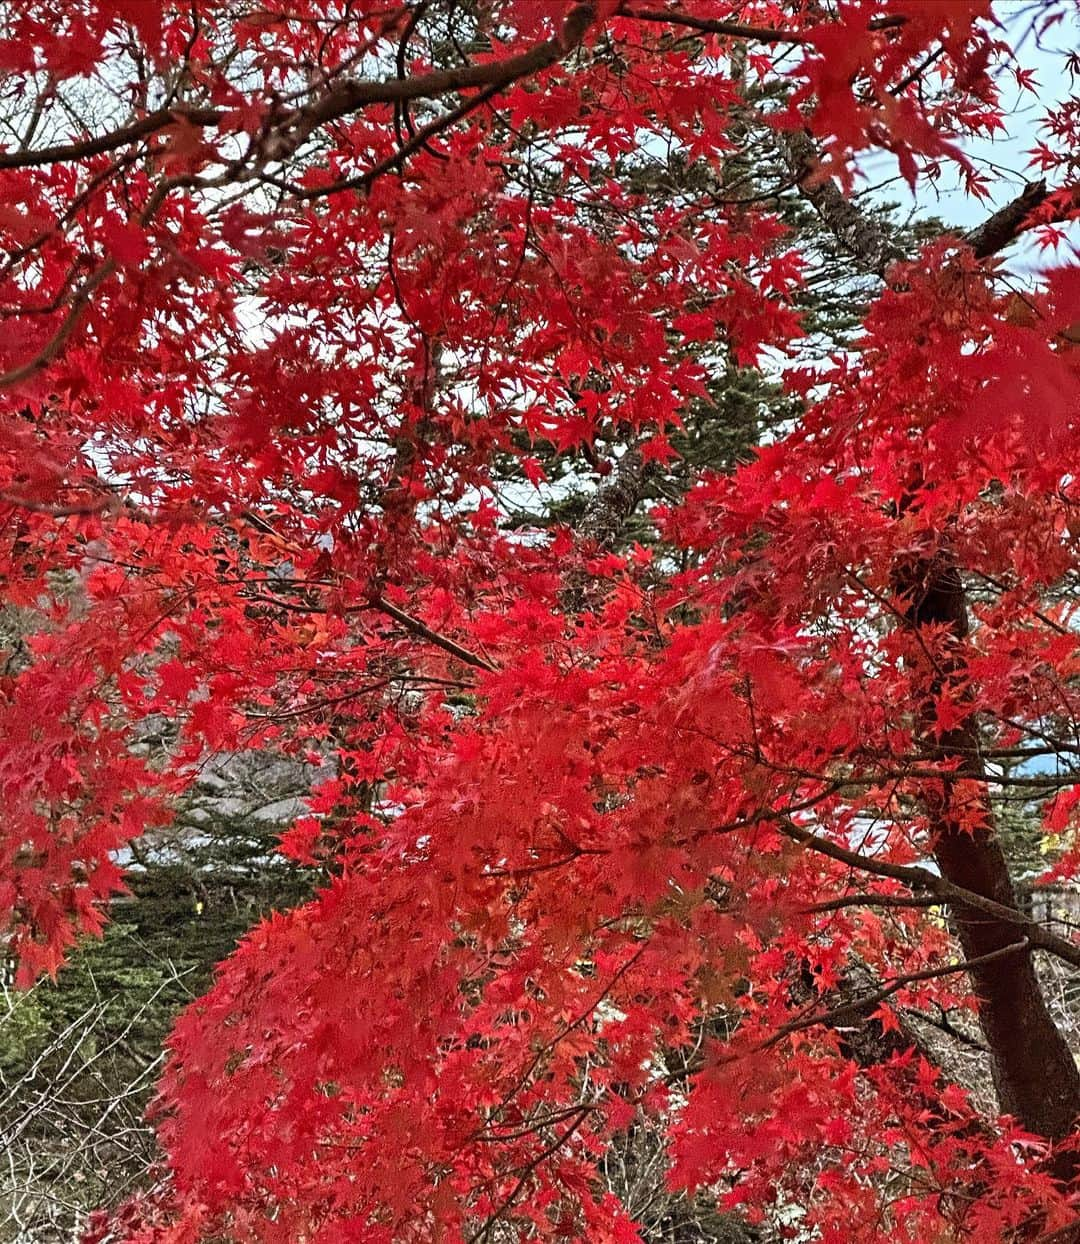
x,y
615,500
1034,1071
864,236
1000,229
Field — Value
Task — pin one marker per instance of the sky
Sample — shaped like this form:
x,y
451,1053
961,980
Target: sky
x,y
1006,158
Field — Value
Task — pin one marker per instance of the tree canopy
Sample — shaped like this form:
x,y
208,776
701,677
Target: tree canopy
x,y
438,399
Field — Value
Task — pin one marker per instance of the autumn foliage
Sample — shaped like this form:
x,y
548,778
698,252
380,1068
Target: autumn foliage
x,y
295,304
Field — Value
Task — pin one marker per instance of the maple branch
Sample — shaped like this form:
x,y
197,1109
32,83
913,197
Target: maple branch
x,y
1068,1234
81,299
485,1230
1005,225
864,236
740,30
851,1008
346,97
869,900
584,1109
532,870
1003,588
74,508
717,26
570,1027
943,1024
160,119
351,95
535,1124
425,632
379,602
919,878
1028,1049
70,322
319,705
419,139
912,772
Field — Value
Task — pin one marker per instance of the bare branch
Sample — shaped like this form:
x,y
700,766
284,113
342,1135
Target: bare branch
x,y
425,632
919,878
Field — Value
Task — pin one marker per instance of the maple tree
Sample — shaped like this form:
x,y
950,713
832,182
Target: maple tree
x,y
287,287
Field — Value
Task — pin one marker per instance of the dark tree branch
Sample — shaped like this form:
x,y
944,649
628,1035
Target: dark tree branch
x,y
945,890
152,123
740,30
857,1008
346,97
999,230
416,627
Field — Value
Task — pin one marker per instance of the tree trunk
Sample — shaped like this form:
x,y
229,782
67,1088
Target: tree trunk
x,y
1034,1071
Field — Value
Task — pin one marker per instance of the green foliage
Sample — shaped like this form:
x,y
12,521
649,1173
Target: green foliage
x,y
78,1055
